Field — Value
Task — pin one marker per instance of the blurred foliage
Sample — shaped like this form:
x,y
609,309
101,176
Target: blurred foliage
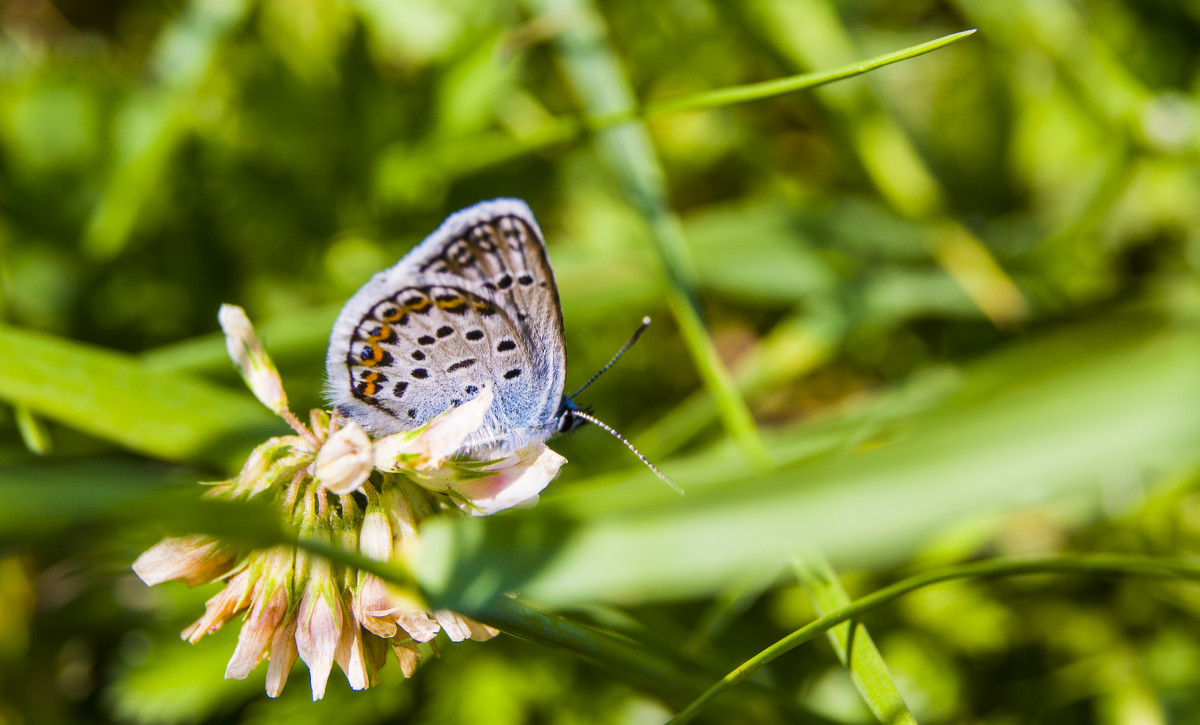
x,y
959,296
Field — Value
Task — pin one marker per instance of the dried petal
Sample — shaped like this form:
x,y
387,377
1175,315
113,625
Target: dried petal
x,y
480,632
269,606
416,623
251,358
258,631
345,460
373,605
453,625
409,655
195,559
222,607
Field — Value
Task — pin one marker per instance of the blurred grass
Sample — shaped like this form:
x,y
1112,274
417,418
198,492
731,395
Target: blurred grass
x,y
956,301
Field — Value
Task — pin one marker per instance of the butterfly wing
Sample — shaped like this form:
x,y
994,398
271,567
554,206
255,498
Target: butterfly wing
x,y
473,305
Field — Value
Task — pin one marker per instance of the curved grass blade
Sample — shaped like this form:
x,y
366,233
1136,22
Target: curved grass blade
x,y
1096,565
488,149
852,643
733,95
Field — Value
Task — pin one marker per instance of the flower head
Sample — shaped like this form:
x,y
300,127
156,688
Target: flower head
x,y
336,486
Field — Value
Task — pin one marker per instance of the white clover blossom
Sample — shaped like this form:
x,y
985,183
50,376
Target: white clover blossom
x,y
336,486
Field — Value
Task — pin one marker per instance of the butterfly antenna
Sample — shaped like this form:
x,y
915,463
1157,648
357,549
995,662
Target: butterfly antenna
x,y
637,333
596,421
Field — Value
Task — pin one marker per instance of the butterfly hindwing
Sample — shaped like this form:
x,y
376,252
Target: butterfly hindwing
x,y
473,305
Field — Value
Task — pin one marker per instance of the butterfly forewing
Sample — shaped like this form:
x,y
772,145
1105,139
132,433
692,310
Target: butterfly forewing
x,y
473,305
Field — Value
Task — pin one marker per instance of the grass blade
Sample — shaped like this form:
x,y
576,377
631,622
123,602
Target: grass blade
x,y
852,643
593,70
780,86
1096,565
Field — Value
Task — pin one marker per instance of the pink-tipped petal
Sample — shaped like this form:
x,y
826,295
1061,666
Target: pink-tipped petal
x,y
373,606
283,656
258,630
350,655
516,480
318,630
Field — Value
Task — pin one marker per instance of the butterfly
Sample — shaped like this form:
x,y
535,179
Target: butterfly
x,y
474,305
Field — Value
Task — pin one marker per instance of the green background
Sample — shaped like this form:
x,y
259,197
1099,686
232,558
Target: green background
x,y
958,297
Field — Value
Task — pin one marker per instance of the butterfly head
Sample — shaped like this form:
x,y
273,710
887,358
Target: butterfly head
x,y
568,419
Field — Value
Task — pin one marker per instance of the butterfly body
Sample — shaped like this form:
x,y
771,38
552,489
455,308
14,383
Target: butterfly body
x,y
473,305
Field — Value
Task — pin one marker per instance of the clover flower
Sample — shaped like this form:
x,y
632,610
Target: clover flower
x,y
336,486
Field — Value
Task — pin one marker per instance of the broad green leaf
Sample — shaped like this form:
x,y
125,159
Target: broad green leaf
x,y
1082,416
111,396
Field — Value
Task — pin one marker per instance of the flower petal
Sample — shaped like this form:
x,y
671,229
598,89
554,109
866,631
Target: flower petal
x,y
409,655
480,632
222,607
345,460
432,446
372,605
517,479
319,626
453,625
350,655
375,538
195,559
272,573
251,358
283,656
417,624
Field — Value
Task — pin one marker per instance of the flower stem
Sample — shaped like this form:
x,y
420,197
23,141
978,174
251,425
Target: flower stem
x,y
309,437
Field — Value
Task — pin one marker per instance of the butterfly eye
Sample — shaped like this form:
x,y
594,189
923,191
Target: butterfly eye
x,y
566,422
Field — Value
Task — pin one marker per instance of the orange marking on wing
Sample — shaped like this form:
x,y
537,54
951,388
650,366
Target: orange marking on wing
x,y
375,357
